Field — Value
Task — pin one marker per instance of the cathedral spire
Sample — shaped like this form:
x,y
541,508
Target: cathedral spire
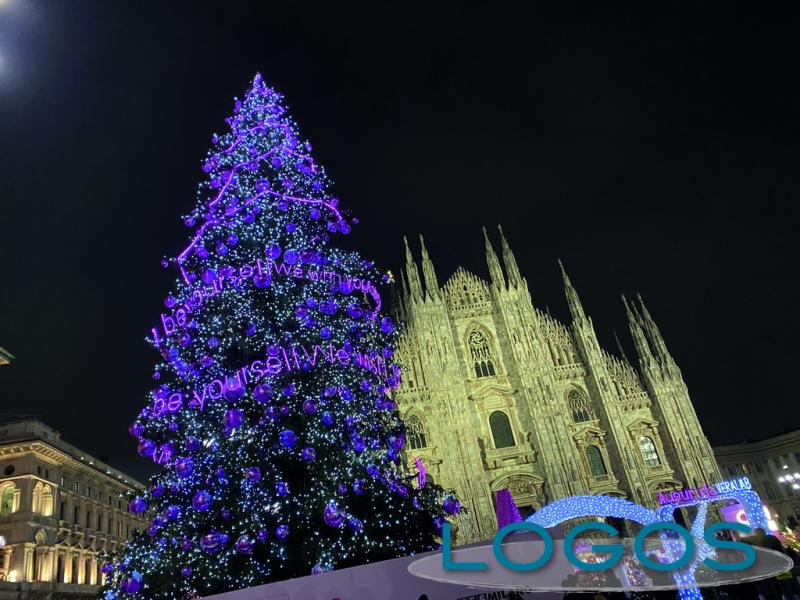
x,y
495,272
639,340
659,346
622,353
428,272
403,285
514,278
575,306
396,298
413,274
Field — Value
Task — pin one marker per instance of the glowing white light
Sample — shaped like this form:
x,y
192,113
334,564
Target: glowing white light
x,y
2,538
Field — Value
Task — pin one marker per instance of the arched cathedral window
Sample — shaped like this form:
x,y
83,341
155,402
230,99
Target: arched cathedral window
x,y
579,407
597,465
501,430
649,452
481,357
415,431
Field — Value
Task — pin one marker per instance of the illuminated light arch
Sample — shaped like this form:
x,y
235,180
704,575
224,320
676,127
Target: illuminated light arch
x,y
574,507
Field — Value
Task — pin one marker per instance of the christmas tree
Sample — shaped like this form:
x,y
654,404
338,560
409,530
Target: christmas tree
x,y
272,416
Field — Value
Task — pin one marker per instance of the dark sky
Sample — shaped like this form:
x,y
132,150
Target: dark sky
x,y
652,148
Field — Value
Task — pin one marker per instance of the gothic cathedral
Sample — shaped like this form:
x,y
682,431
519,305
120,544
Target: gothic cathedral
x,y
497,394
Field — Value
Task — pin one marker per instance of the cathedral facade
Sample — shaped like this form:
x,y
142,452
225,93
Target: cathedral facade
x,y
498,394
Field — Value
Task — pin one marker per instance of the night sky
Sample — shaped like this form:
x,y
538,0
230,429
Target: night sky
x,y
652,149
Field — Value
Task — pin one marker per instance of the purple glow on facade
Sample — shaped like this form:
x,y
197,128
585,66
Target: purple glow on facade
x,y
422,475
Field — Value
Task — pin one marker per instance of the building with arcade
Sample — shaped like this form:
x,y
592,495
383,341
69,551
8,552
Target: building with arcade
x,y
60,508
773,465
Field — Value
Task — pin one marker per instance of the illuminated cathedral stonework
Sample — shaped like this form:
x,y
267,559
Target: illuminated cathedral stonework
x,y
498,394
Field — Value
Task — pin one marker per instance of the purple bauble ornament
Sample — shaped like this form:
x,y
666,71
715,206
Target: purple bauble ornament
x,y
253,474
387,325
450,505
273,251
263,393
396,441
132,584
107,568
282,488
332,515
208,276
325,333
262,280
359,445
157,490
202,501
327,419
355,311
172,512
262,535
355,524
137,505
288,438
193,444
169,301
233,394
184,467
342,489
233,418
186,572
282,531
136,429
438,523
309,407
308,454
146,448
244,544
213,542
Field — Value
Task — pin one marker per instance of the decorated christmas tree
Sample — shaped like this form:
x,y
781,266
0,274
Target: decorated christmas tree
x,y
272,417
